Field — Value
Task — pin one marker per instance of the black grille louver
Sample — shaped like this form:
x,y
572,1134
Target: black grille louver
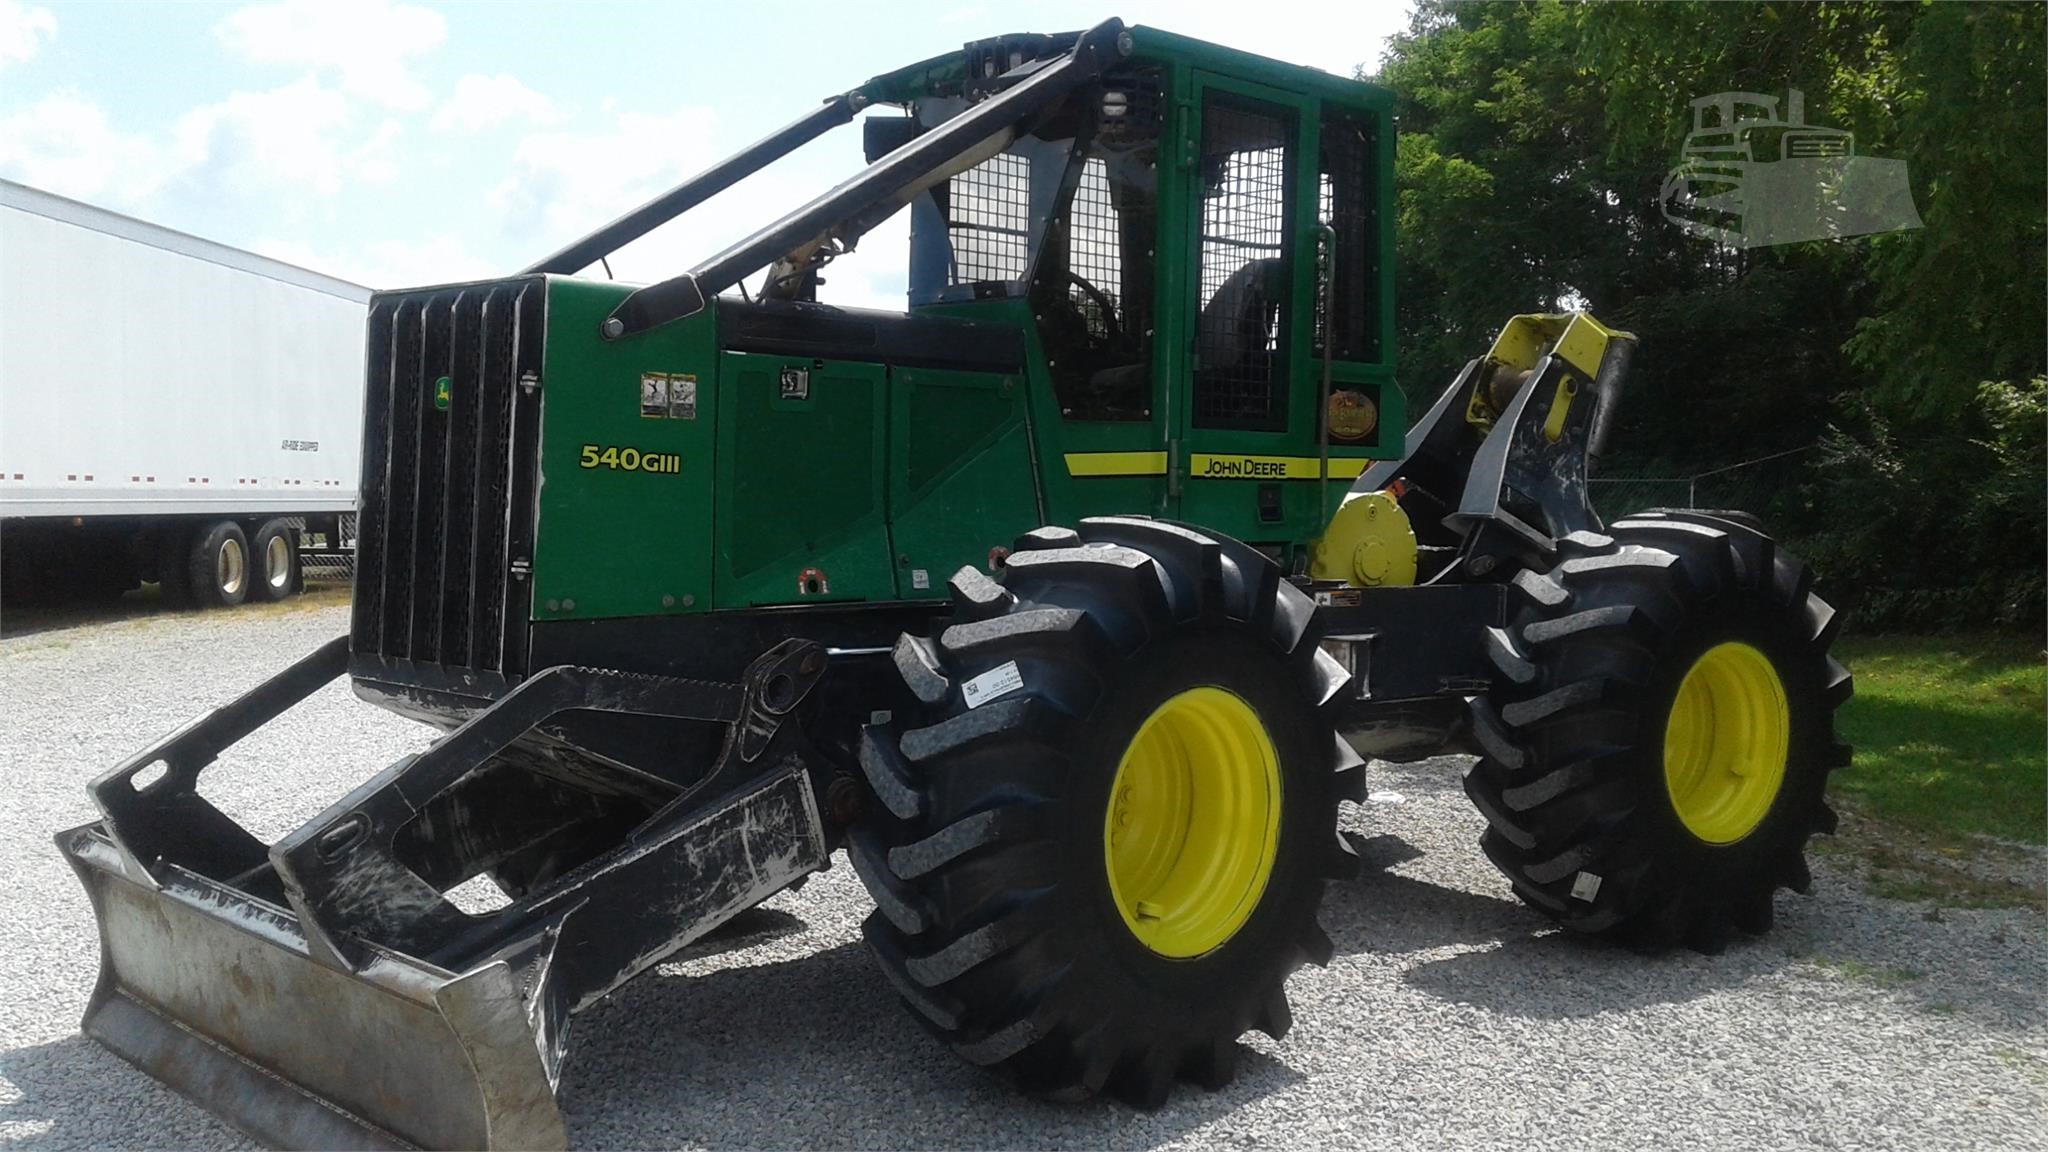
x,y
447,493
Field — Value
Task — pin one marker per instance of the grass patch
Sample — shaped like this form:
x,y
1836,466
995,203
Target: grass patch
x,y
1951,733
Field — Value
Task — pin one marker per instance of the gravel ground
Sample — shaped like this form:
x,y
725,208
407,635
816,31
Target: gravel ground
x,y
1451,1017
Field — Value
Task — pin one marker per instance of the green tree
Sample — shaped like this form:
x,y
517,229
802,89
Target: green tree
x,y
1535,138
1960,301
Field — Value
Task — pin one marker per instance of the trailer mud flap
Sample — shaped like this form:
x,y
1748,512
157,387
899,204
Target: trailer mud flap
x,y
314,1023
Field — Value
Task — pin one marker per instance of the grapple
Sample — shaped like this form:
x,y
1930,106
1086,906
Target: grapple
x,y
325,992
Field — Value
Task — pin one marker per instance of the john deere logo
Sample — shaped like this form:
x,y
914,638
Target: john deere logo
x,y
442,391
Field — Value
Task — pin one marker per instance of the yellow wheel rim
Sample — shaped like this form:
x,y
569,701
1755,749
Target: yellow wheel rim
x,y
1193,822
1725,743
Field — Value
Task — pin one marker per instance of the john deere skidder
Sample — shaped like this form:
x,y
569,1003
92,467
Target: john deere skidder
x,y
706,584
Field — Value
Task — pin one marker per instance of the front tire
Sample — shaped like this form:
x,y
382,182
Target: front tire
x,y
1100,874
1658,743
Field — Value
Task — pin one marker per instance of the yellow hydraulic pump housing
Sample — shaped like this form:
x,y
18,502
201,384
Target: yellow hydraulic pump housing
x,y
1369,543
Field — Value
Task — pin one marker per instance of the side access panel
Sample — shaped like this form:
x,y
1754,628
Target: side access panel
x,y
801,481
960,477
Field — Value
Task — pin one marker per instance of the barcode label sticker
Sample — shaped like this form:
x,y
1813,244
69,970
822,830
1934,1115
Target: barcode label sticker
x,y
1001,680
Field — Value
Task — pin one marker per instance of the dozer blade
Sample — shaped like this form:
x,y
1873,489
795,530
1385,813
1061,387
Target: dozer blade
x,y
214,993
322,993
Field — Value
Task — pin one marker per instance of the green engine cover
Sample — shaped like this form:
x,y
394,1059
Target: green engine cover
x,y
679,478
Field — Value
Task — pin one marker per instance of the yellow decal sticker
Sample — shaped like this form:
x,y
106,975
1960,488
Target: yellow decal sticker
x,y
1203,465
629,459
1116,463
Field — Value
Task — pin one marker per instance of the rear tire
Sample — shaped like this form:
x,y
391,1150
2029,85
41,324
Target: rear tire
x,y
1011,879
1658,743
275,555
219,568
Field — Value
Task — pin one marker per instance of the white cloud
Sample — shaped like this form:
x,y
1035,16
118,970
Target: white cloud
x,y
368,45
568,182
281,151
480,102
374,161
389,263
274,158
63,143
256,143
23,28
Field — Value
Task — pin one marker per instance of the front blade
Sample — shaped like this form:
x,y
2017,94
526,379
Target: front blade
x,y
213,992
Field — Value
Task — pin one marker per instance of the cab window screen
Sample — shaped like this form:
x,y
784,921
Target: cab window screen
x,y
1094,284
1246,168
989,220
1346,203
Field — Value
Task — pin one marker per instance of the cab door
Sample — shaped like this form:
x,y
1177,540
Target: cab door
x,y
1244,420
1102,312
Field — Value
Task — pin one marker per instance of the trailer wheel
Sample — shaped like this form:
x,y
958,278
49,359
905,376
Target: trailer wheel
x,y
276,558
1658,742
219,569
1102,845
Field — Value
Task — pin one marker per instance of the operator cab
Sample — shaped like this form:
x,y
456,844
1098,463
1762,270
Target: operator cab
x,y
1192,238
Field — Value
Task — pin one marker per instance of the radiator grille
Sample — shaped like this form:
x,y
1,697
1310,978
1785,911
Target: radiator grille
x,y
447,503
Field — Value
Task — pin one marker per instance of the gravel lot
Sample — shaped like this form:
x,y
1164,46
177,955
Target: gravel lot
x,y
1451,1017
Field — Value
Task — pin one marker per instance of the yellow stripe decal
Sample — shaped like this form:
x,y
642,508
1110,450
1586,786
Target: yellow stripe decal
x,y
1210,466
1207,466
1116,463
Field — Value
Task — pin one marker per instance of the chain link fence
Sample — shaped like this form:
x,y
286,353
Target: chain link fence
x,y
328,556
1756,485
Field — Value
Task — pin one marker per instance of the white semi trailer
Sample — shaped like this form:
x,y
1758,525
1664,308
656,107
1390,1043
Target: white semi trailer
x,y
171,409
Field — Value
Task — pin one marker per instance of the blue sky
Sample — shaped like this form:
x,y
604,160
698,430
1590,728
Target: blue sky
x,y
398,143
